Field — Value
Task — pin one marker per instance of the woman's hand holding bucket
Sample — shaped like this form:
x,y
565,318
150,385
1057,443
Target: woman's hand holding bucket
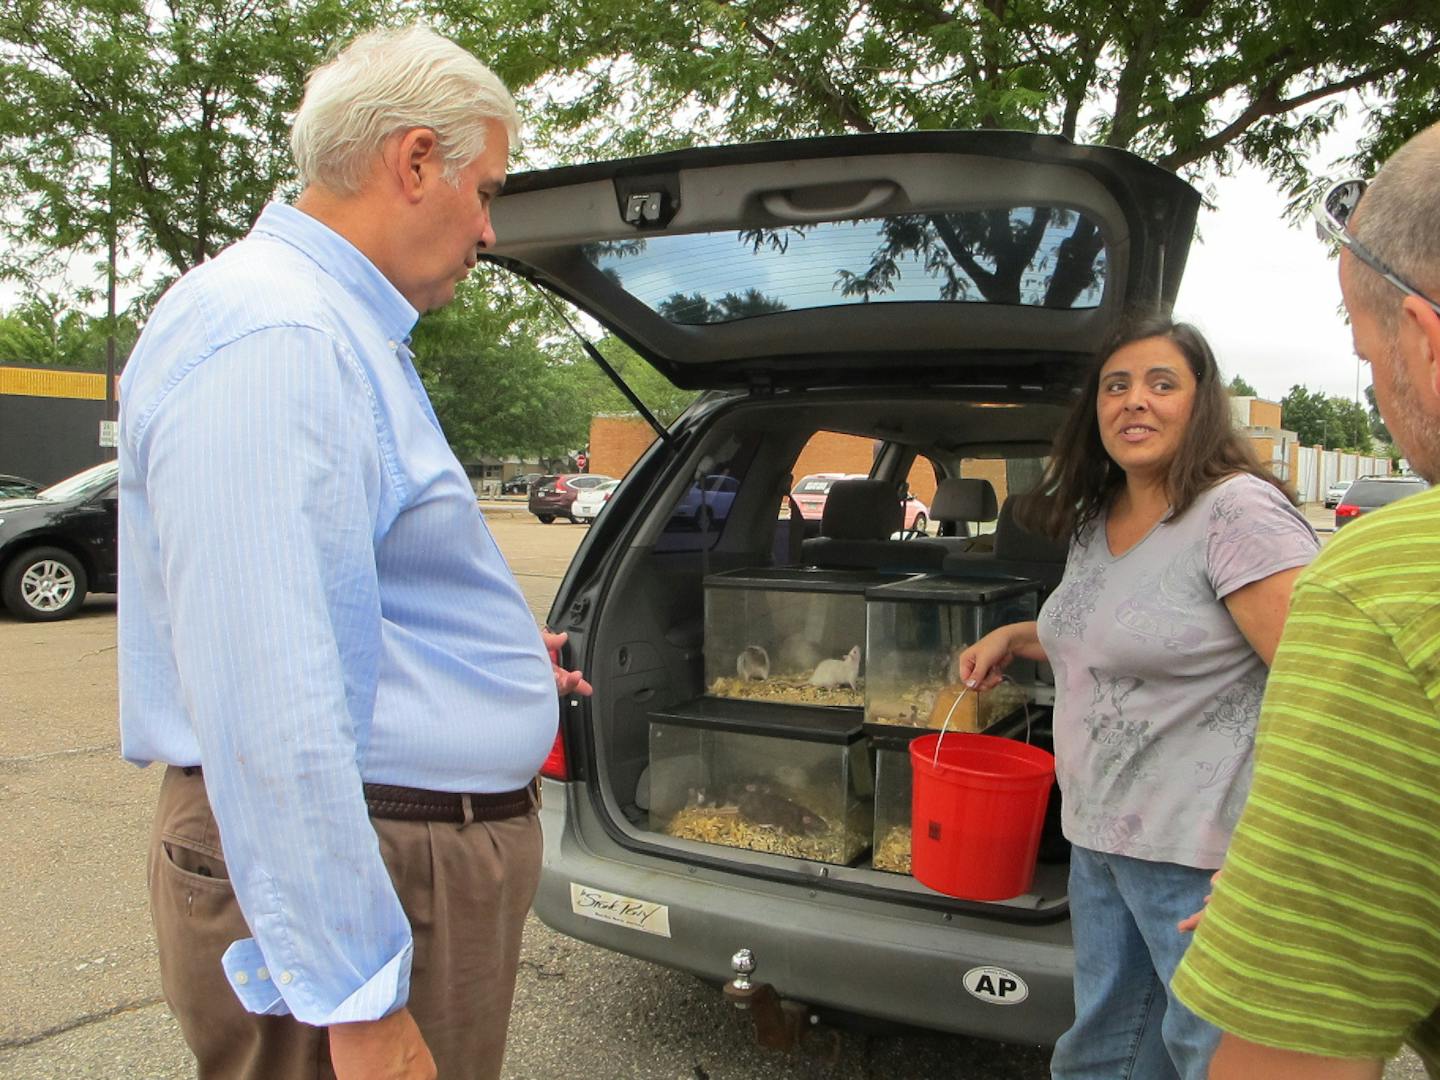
x,y
982,665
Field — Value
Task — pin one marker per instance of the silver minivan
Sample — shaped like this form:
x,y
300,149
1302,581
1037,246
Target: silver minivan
x,y
936,293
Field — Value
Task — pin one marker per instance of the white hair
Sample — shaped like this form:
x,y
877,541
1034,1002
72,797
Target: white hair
x,y
387,81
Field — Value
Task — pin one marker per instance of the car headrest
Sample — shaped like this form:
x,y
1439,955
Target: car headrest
x,y
861,510
1021,545
957,499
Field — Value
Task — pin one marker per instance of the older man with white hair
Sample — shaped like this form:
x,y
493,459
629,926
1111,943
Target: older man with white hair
x,y
1320,951
318,635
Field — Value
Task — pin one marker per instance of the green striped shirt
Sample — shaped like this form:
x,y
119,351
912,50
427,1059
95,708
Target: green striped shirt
x,y
1323,935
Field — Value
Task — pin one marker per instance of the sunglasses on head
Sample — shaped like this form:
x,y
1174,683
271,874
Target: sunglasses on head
x,y
1332,222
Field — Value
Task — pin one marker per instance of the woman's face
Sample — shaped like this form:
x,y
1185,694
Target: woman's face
x,y
1146,395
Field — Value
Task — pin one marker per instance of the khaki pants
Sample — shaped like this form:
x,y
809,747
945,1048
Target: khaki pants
x,y
465,890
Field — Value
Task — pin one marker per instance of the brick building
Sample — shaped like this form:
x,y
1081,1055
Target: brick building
x,y
617,441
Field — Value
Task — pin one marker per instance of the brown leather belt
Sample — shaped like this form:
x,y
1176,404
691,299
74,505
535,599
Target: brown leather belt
x,y
416,804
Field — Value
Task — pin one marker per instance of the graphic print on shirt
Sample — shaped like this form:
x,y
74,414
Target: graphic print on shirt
x,y
1073,601
1233,717
1163,608
1123,747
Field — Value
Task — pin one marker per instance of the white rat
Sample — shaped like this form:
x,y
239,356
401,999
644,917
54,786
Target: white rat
x,y
753,663
835,673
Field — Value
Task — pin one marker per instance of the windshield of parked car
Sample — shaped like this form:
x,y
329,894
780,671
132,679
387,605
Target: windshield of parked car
x,y
1030,256
83,484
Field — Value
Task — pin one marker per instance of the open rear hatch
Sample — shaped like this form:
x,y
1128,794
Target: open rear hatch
x,y
856,260
907,269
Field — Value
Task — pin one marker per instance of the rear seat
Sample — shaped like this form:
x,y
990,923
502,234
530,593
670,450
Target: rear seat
x,y
860,517
963,501
1018,552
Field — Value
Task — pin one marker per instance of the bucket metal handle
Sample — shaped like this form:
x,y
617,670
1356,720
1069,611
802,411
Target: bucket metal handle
x,y
1025,702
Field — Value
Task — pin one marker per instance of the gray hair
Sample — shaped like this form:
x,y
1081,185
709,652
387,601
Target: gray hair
x,y
1398,220
387,81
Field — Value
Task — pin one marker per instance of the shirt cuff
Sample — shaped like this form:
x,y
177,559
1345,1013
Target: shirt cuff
x,y
263,991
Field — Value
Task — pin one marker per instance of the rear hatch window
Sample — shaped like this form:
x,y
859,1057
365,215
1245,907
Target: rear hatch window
x,y
1030,256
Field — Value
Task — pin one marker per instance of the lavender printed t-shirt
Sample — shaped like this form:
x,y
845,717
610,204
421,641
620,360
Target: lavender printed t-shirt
x,y
1157,692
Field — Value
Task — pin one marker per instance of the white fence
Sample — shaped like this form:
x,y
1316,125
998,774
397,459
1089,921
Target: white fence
x,y
1317,469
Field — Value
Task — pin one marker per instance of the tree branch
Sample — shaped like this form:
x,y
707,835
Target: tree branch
x,y
1269,103
846,109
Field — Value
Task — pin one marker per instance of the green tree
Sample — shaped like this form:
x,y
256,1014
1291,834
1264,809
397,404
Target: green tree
x,y
1240,388
497,390
1335,422
506,375
193,99
1303,412
43,331
1187,83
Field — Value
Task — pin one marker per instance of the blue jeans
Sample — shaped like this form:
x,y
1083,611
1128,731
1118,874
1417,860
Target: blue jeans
x,y
1128,1025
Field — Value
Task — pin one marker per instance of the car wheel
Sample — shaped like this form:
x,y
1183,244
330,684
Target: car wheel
x,y
44,584
574,520
545,519
921,524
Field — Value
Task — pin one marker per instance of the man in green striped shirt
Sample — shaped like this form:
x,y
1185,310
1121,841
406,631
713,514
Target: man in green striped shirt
x,y
1320,951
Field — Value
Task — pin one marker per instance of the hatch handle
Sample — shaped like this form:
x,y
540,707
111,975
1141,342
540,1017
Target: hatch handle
x,y
823,202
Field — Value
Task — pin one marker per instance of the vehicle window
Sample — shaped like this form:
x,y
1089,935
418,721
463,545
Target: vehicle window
x,y
1031,256
1381,492
812,485
699,516
83,484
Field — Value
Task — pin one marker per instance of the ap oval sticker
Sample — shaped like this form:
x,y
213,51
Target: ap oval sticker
x,y
996,986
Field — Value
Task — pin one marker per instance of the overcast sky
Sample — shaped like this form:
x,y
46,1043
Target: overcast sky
x,y
1265,292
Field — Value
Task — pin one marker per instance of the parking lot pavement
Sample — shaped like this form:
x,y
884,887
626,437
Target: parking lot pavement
x,y
78,982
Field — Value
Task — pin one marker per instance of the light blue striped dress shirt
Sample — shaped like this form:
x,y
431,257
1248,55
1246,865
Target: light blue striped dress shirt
x,y
309,599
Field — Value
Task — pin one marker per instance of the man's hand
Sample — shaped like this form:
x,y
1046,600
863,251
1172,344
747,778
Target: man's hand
x,y
1190,922
566,682
390,1048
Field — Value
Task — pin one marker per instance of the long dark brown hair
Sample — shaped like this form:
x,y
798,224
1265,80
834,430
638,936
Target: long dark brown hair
x,y
1081,480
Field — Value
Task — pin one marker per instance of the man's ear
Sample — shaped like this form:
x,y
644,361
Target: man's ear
x,y
1420,330
412,158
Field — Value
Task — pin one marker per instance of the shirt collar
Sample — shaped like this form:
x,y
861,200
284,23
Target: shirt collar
x,y
344,262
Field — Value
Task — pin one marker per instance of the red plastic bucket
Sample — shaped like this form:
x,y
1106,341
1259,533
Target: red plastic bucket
x,y
977,813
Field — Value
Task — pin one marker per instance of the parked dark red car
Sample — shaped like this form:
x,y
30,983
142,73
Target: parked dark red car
x,y
551,496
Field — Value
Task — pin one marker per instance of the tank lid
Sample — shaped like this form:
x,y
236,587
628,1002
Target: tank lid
x,y
838,724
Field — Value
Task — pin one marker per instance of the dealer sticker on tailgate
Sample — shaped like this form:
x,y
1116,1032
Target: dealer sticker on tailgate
x,y
604,906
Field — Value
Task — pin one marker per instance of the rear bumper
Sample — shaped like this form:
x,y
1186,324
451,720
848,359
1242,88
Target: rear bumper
x,y
858,955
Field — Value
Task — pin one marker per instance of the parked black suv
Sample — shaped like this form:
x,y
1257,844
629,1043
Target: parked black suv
x,y
58,545
938,293
1372,492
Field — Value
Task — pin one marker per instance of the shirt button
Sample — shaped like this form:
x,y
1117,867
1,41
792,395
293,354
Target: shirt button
x,y
263,974
286,978
241,978
393,344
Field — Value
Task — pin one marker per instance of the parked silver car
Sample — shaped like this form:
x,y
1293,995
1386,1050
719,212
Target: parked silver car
x,y
936,292
1335,492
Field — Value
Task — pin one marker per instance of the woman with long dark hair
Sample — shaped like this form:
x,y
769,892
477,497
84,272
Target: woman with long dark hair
x,y
1183,550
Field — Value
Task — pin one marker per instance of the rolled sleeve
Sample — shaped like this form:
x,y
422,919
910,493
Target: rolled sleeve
x,y
263,474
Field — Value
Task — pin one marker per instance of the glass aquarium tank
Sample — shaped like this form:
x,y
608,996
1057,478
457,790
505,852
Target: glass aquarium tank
x,y
763,777
890,748
916,629
791,635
